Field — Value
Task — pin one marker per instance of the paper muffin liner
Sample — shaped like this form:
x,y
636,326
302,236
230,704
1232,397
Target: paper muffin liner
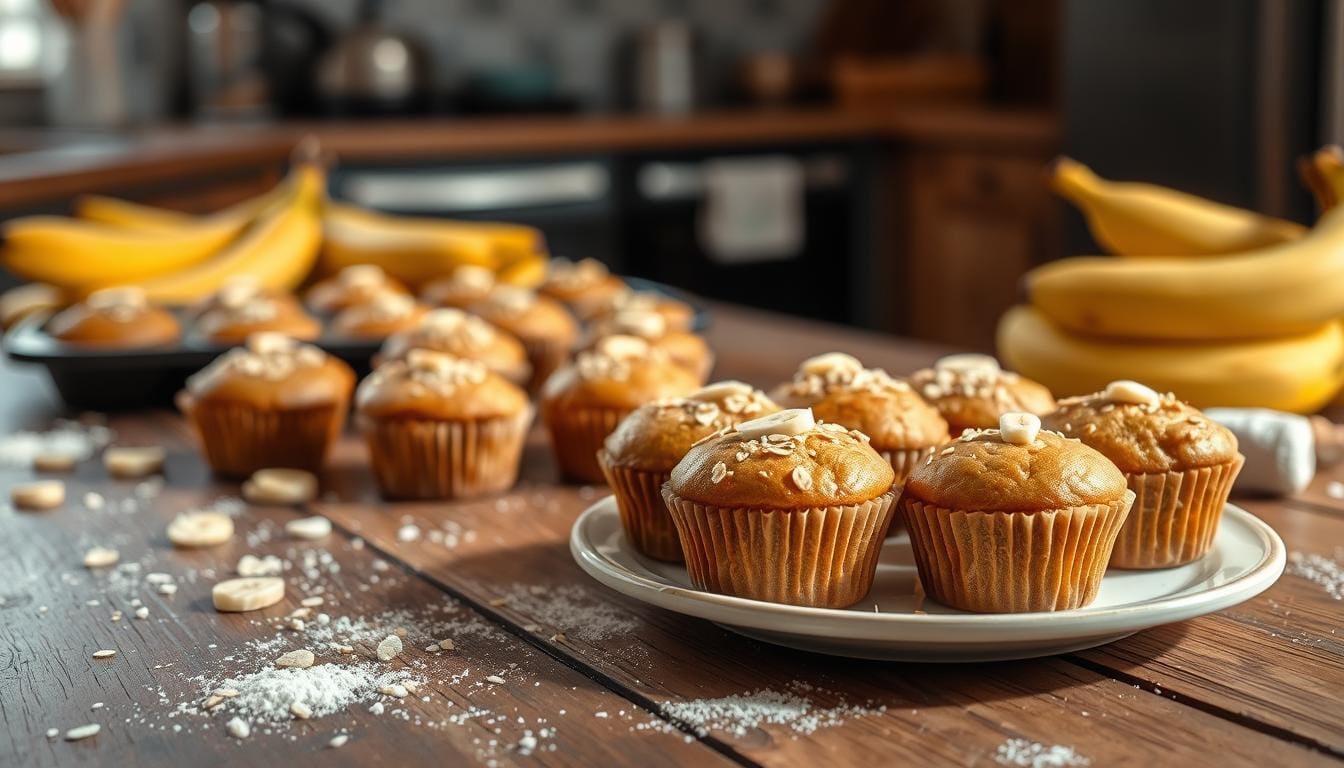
x,y
1175,515
545,356
577,434
240,439
1013,562
903,462
823,557
644,515
434,459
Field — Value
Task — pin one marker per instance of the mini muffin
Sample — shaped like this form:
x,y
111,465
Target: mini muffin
x,y
237,290
442,427
1179,464
274,403
354,285
1014,519
456,333
972,392
783,509
235,315
467,285
379,317
686,349
678,315
584,401
115,318
901,426
584,286
548,331
639,456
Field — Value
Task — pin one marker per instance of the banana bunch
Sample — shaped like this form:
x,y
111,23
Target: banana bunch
x,y
1220,305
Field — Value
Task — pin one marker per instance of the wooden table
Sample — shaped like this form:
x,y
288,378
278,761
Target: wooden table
x,y
588,673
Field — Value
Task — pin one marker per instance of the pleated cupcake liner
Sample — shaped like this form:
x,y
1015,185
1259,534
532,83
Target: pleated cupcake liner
x,y
903,462
1175,516
545,356
1012,562
644,515
433,459
240,439
577,434
822,557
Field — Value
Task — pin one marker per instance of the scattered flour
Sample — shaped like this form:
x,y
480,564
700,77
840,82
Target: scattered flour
x,y
572,609
269,695
1320,570
738,714
1030,754
66,438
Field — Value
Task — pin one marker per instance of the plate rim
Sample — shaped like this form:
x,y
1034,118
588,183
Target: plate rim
x,y
918,628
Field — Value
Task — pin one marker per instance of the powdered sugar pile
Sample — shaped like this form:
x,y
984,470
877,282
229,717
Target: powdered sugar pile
x,y
1320,570
572,610
269,695
1030,754
741,713
67,438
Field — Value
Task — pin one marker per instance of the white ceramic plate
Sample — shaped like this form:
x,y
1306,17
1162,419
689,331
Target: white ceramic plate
x,y
1247,557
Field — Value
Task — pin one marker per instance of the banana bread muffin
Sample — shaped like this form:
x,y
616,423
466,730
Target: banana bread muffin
x,y
900,425
467,285
972,392
274,403
783,509
236,314
1014,519
442,427
686,349
115,318
678,315
639,456
584,286
352,286
459,334
379,317
584,401
1179,463
546,329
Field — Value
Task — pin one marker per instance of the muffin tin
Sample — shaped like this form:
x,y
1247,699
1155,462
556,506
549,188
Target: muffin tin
x,y
126,379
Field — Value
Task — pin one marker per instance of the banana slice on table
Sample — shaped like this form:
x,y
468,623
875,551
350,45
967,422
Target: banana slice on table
x,y
794,421
101,557
280,486
130,462
38,495
315,527
200,529
247,594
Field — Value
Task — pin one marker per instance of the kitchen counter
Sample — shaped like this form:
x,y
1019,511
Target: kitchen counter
x,y
550,668
39,168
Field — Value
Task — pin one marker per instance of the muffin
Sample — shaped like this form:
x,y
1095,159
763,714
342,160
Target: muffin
x,y
584,401
379,317
115,318
352,286
456,333
639,456
972,392
274,403
236,314
546,329
903,428
1179,464
686,349
467,285
678,315
783,509
584,286
442,427
1014,519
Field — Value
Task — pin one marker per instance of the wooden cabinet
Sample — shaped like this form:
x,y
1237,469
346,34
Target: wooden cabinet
x,y
970,221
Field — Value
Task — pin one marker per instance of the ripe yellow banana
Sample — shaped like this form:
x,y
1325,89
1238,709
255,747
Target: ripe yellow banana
x,y
1299,374
1136,219
278,251
149,218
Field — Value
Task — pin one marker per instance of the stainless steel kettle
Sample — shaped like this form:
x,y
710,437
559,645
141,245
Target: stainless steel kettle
x,y
374,69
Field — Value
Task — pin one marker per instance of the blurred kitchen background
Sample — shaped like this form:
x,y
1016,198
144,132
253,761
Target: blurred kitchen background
x,y
873,162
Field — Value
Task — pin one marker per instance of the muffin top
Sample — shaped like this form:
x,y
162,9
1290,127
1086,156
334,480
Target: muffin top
x,y
115,317
840,390
527,315
585,281
457,333
467,285
273,371
656,435
239,290
621,372
678,315
972,391
1016,468
433,385
785,460
235,317
353,285
686,349
381,316
1142,431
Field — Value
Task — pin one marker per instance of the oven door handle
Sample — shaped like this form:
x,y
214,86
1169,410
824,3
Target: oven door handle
x,y
467,191
662,180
